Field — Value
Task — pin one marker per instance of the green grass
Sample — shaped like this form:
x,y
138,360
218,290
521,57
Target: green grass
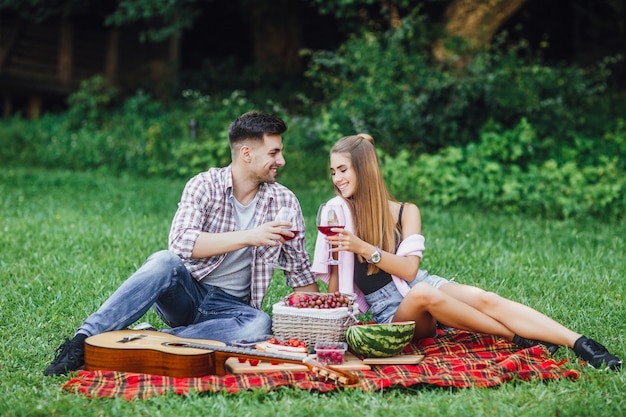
x,y
67,240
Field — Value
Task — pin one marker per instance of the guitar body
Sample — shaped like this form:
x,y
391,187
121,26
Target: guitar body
x,y
147,354
158,353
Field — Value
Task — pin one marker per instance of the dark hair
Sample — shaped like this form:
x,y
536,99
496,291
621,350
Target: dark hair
x,y
254,125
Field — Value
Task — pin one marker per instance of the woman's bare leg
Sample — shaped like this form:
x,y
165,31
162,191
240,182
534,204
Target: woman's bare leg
x,y
470,308
518,318
425,304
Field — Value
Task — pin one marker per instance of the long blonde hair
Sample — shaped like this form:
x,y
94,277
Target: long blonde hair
x,y
373,221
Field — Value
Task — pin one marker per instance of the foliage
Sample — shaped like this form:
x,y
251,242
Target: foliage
x,y
87,104
500,173
166,18
370,83
357,14
386,84
516,169
506,133
143,136
161,19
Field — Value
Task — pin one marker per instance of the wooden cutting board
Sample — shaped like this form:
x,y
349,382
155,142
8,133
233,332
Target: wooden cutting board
x,y
395,360
351,363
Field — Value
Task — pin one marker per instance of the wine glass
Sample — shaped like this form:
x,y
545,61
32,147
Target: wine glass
x,y
329,217
285,214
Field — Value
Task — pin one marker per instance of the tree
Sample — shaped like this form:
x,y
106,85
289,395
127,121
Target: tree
x,y
275,26
276,37
475,22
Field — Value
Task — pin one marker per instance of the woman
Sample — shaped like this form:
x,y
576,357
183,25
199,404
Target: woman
x,y
380,258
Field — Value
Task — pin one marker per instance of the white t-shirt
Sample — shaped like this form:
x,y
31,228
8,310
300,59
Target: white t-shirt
x,y
234,273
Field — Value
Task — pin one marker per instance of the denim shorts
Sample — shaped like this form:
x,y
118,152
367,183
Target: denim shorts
x,y
385,301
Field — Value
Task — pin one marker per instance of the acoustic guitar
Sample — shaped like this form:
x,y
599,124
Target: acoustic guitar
x,y
158,353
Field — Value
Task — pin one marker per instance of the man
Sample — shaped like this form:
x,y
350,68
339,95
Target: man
x,y
211,282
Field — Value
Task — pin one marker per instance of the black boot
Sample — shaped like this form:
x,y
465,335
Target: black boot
x,y
595,354
526,343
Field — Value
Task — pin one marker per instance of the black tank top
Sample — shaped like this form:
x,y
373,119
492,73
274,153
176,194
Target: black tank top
x,y
371,283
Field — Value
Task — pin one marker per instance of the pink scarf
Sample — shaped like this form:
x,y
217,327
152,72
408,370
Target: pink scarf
x,y
412,245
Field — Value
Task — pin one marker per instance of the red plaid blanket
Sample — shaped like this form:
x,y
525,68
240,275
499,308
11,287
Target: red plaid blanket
x,y
454,359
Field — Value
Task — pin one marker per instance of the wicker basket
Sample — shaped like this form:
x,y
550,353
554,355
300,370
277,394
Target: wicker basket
x,y
313,325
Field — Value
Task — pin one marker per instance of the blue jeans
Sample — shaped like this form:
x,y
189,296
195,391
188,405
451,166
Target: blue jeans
x,y
192,309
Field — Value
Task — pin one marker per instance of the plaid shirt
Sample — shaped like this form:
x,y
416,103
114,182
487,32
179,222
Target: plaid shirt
x,y
205,206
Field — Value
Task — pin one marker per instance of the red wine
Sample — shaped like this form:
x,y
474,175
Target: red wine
x,y
295,233
326,229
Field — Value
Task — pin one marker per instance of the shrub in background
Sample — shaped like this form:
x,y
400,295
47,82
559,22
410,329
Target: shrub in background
x,y
506,133
499,173
89,102
146,137
386,84
142,136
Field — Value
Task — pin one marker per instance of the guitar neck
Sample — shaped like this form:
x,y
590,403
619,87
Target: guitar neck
x,y
241,351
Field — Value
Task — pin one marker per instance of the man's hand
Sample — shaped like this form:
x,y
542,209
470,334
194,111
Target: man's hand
x,y
270,234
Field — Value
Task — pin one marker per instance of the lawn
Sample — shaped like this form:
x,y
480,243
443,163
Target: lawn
x,y
67,240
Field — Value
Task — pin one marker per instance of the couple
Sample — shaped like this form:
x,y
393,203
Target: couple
x,y
211,282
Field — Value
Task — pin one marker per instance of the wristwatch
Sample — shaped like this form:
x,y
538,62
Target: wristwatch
x,y
375,256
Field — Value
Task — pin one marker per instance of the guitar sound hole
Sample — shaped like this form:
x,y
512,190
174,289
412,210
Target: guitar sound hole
x,y
175,344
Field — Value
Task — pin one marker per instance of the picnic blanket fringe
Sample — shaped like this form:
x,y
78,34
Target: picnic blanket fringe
x,y
453,359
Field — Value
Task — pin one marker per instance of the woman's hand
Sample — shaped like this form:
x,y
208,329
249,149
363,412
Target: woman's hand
x,y
344,241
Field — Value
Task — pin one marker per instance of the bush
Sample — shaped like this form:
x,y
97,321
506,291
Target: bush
x,y
143,136
88,103
386,84
500,173
511,169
